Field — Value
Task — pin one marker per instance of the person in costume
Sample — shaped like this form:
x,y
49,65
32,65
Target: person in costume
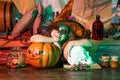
x,y
73,48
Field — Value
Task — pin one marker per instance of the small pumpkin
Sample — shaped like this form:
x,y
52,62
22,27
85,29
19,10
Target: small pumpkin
x,y
43,55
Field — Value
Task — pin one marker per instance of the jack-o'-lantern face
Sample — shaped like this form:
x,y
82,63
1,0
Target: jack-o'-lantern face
x,y
43,55
34,54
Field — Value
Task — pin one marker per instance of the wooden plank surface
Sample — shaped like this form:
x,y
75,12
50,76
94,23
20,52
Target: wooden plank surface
x,y
11,43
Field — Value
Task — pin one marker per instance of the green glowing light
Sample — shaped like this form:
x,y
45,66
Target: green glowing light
x,y
79,55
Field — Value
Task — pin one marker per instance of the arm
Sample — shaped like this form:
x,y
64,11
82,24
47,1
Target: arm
x,y
44,39
41,38
81,42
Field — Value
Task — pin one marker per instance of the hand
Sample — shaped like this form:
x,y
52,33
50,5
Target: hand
x,y
66,48
82,42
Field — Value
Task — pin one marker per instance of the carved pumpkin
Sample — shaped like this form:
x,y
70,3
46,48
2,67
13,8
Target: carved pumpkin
x,y
43,55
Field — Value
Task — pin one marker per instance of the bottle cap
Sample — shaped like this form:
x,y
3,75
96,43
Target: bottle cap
x,y
98,16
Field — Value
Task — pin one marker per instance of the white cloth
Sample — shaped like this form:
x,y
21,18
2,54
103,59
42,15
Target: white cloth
x,y
79,55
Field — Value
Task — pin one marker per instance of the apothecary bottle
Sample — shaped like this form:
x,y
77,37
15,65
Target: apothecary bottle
x,y
97,29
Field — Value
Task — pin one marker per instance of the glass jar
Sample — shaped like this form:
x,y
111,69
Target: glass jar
x,y
105,60
114,63
16,58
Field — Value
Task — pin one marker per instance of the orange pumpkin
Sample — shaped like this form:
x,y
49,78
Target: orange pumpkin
x,y
43,55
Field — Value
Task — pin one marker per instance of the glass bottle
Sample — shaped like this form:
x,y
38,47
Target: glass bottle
x,y
97,29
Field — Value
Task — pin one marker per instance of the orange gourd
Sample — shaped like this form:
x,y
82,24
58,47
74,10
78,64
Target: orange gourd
x,y
43,55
